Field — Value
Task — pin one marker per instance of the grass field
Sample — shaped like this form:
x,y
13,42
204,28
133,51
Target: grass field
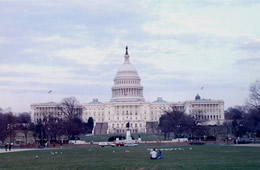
x,y
94,157
145,137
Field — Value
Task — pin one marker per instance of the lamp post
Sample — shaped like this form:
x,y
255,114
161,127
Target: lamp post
x,y
178,128
227,135
240,129
41,135
114,134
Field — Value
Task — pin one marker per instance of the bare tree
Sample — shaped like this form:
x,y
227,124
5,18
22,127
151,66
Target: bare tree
x,y
174,120
70,108
3,127
24,118
254,97
10,120
166,126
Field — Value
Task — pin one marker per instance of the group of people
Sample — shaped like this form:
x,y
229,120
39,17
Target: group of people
x,y
156,154
8,146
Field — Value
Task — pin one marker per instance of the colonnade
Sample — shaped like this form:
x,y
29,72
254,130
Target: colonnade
x,y
119,92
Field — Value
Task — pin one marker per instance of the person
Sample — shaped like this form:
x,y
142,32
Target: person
x,y
159,154
61,143
6,146
10,146
153,154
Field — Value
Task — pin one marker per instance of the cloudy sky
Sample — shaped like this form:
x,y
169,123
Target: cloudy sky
x,y
74,48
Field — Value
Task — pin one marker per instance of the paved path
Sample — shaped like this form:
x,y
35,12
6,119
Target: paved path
x,y
16,150
252,144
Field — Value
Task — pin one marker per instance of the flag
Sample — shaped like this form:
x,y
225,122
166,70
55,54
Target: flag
x,y
49,91
202,88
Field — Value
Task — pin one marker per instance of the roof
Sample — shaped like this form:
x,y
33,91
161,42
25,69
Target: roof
x,y
95,101
159,101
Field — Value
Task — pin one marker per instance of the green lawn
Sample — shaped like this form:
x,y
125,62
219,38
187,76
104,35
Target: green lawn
x,y
94,157
145,137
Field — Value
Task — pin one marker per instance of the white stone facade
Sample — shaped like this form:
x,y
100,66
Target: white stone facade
x,y
39,111
128,105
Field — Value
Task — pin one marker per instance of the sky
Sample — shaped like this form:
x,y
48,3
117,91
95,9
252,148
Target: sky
x,y
74,48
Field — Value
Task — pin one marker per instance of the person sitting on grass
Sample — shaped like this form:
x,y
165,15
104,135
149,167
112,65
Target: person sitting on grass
x,y
159,154
153,154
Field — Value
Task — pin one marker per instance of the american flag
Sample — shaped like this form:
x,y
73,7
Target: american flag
x,y
49,91
202,88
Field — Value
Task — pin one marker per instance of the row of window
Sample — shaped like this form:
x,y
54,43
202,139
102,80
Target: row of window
x,y
205,111
126,118
205,105
127,81
54,108
124,125
208,117
126,107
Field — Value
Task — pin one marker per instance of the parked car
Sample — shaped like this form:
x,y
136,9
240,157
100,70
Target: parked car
x,y
196,142
103,144
243,141
130,144
120,144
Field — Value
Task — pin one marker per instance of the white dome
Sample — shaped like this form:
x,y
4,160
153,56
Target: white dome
x,y
127,68
127,83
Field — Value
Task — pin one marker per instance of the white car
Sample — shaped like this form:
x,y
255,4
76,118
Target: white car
x,y
103,144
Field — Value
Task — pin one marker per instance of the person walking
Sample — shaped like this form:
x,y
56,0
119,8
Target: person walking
x,y
6,146
10,146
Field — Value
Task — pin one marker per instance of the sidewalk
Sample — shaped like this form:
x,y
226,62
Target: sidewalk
x,y
17,150
251,144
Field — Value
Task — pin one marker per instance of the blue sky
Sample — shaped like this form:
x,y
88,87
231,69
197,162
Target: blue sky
x,y
75,47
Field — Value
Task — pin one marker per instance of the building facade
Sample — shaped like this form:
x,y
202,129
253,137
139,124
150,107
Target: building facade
x,y
128,104
41,111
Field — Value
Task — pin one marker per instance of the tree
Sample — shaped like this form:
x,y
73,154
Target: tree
x,y
252,122
174,120
70,108
3,127
10,121
74,127
72,111
24,118
24,124
165,125
254,97
196,123
236,115
90,125
54,127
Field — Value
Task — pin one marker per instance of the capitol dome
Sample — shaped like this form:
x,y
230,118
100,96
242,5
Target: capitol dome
x,y
127,83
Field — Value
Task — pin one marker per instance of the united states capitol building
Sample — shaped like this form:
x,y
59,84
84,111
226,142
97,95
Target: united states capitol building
x,y
128,105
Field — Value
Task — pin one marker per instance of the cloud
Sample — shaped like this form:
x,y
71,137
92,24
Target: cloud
x,y
76,47
224,2
248,44
4,41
